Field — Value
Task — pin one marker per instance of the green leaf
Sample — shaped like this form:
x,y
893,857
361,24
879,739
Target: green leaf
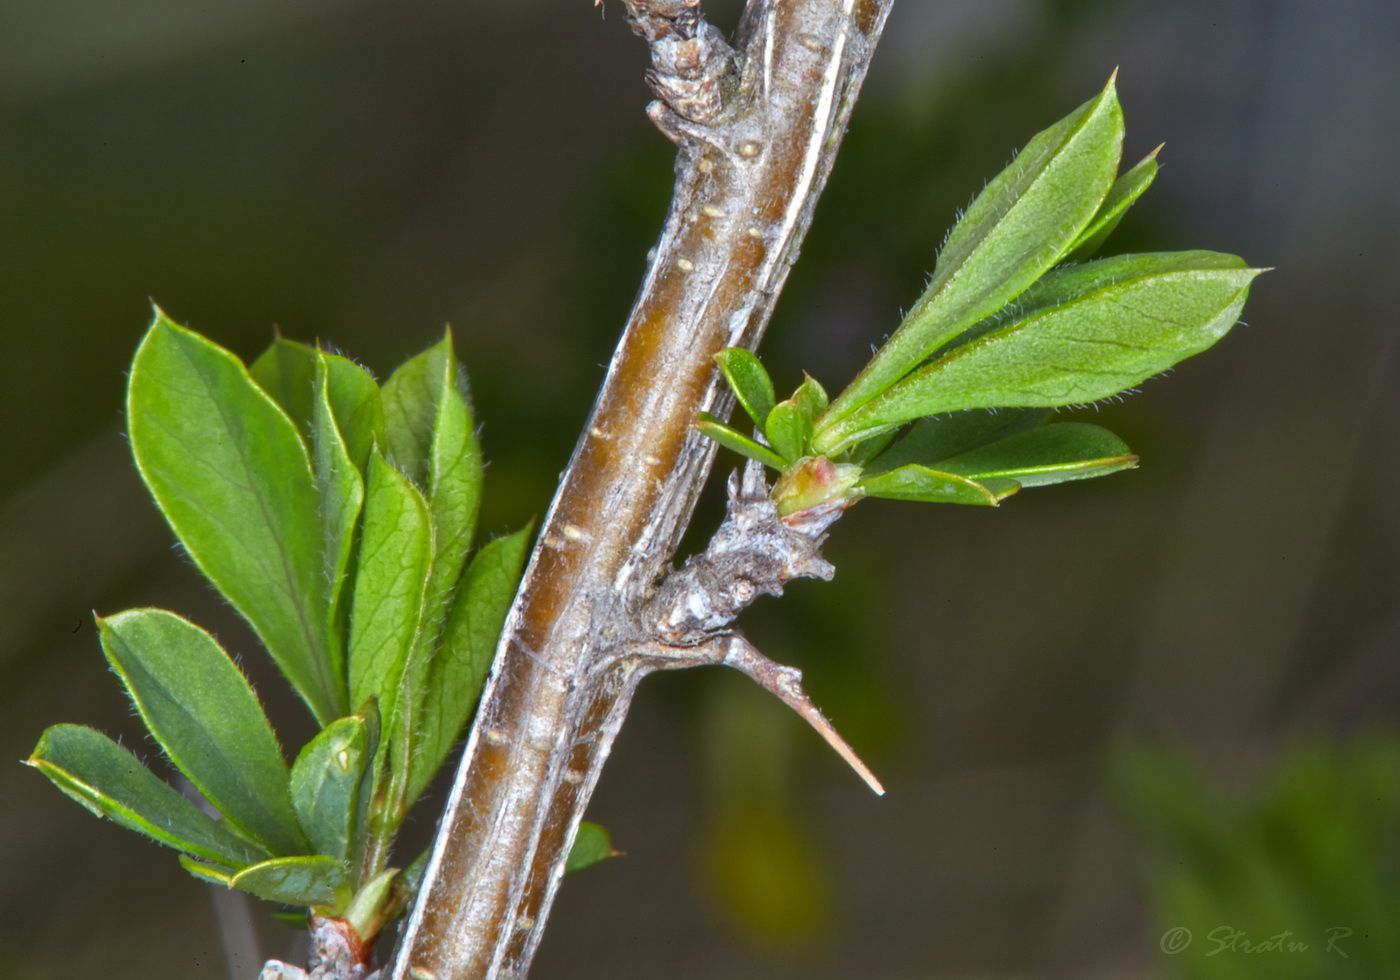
x,y
1050,454
232,476
311,880
337,408
412,398
750,381
326,781
1024,222
342,493
357,406
412,876
1121,196
867,450
1091,347
788,431
810,398
741,444
207,720
287,372
592,845
394,558
914,482
367,911
213,874
457,672
454,491
1072,282
929,441
112,783
454,497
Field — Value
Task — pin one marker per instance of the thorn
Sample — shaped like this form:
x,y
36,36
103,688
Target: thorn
x,y
785,683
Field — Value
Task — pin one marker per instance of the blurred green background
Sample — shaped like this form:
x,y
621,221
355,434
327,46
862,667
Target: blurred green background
x,y
1161,701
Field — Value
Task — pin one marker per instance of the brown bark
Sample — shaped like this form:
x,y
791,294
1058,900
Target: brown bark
x,y
757,128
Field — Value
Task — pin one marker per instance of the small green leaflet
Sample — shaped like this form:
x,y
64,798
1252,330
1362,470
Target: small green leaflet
x,y
749,381
325,783
112,783
711,426
915,482
207,719
1050,454
1121,196
592,844
311,880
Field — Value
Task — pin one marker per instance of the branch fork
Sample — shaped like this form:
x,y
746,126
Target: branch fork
x,y
754,552
336,954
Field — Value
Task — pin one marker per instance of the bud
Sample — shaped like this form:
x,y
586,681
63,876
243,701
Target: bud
x,y
815,480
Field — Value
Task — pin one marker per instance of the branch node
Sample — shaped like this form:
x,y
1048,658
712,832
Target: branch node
x,y
680,130
689,56
754,553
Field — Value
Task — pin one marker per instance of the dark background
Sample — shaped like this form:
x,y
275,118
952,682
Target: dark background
x,y
365,172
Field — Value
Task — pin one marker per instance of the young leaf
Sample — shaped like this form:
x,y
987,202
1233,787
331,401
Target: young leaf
x,y
366,912
454,490
457,672
1050,454
741,444
326,780
1088,348
810,398
357,406
312,880
788,431
929,441
412,397
232,476
914,482
288,372
1017,228
112,783
207,720
592,845
342,492
1121,196
750,381
813,482
394,559
213,874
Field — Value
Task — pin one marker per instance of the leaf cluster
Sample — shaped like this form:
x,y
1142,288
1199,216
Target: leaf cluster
x,y
337,516
1017,318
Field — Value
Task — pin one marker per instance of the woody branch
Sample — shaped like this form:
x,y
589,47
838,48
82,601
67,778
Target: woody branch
x,y
756,127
